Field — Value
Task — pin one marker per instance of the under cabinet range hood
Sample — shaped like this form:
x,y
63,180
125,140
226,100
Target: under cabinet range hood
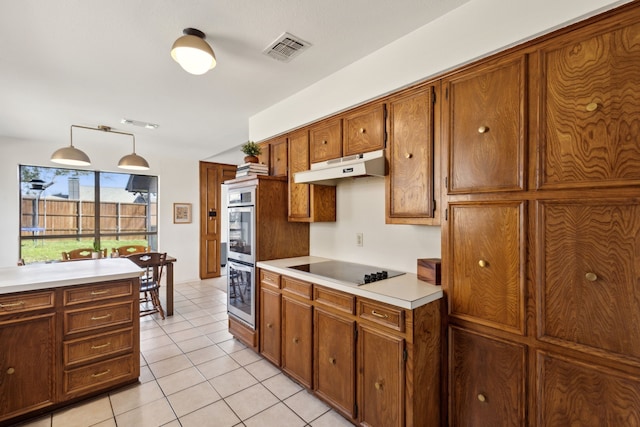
x,y
329,172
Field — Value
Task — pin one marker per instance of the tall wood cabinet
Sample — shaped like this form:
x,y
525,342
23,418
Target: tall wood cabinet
x,y
542,224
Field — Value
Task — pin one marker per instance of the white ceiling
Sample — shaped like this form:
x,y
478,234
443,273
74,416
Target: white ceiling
x,y
90,62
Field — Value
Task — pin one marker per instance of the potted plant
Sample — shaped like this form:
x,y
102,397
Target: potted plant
x,y
251,151
96,250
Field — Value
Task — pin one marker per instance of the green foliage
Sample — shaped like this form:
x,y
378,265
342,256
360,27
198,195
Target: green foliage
x,y
250,148
47,250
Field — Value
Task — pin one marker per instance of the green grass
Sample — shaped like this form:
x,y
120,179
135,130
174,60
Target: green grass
x,y
51,250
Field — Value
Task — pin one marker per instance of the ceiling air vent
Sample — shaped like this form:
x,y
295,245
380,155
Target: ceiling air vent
x,y
286,47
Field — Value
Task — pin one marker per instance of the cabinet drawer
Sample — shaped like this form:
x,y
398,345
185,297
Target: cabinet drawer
x,y
297,287
97,292
18,303
93,318
94,347
100,375
382,314
335,299
270,278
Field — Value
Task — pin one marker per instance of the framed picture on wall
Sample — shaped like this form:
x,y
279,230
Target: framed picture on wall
x,y
182,213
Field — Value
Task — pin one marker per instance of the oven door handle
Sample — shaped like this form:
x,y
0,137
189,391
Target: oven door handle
x,y
241,266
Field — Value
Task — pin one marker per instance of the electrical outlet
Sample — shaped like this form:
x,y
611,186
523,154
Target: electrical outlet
x,y
358,239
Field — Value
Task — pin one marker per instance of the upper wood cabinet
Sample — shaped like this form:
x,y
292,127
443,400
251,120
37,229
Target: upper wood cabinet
x,y
325,140
307,202
590,107
264,157
410,154
364,129
278,157
486,128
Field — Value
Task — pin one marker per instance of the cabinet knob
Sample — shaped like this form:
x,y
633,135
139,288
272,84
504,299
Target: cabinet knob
x,y
269,325
324,142
378,385
482,263
10,371
408,155
592,277
362,130
592,107
482,397
483,129
332,360
296,340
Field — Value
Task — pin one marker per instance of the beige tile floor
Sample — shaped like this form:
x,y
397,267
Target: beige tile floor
x,y
193,373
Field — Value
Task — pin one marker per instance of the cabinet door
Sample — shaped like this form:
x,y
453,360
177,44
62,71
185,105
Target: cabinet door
x,y
589,293
26,364
410,191
270,317
381,378
487,275
364,130
325,140
486,126
278,157
299,194
334,360
579,394
265,156
589,109
297,343
487,381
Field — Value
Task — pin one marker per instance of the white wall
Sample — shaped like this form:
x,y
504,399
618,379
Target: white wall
x,y
474,30
178,182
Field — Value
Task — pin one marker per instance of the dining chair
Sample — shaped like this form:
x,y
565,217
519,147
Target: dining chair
x,y
131,249
82,253
153,264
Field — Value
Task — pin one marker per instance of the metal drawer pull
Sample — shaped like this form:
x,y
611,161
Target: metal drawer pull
x,y
592,106
101,373
101,317
482,263
381,315
96,347
483,129
592,277
99,292
10,371
482,397
332,360
14,304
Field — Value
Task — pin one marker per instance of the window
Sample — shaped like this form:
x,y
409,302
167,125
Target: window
x,y
65,209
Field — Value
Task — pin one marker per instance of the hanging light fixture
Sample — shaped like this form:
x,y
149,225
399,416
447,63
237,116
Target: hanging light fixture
x,y
74,157
193,53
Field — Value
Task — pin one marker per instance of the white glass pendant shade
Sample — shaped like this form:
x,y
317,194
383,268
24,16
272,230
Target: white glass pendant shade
x,y
193,53
133,162
70,156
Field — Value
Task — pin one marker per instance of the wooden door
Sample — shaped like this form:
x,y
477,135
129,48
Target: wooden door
x,y
212,175
299,194
297,344
270,321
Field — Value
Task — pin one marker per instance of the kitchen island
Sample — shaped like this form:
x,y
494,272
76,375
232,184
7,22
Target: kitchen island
x,y
68,330
371,351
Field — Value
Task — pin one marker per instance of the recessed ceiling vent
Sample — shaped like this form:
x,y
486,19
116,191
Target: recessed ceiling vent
x,y
286,47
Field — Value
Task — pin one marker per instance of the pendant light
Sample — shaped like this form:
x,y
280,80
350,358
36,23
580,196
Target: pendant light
x,y
193,53
72,156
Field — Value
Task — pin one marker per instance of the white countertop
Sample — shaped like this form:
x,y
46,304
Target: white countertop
x,y
43,276
404,291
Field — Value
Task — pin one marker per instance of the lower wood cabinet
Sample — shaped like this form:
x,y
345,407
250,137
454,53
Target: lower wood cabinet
x,y
377,364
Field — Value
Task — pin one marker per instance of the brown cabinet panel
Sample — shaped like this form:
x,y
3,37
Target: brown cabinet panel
x,y
265,155
299,194
278,157
297,340
590,264
335,299
571,393
487,381
383,314
27,368
410,183
297,287
20,303
97,346
325,140
590,109
99,375
93,318
381,378
487,128
99,292
270,324
487,274
334,360
364,130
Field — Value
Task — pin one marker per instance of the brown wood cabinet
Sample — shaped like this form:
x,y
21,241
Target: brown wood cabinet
x,y
364,129
325,140
411,153
270,316
63,344
297,337
278,153
307,202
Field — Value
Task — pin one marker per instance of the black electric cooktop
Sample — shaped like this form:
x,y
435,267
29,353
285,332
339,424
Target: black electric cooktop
x,y
357,274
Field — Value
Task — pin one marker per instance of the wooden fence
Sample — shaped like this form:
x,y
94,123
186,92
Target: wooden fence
x,y
73,217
